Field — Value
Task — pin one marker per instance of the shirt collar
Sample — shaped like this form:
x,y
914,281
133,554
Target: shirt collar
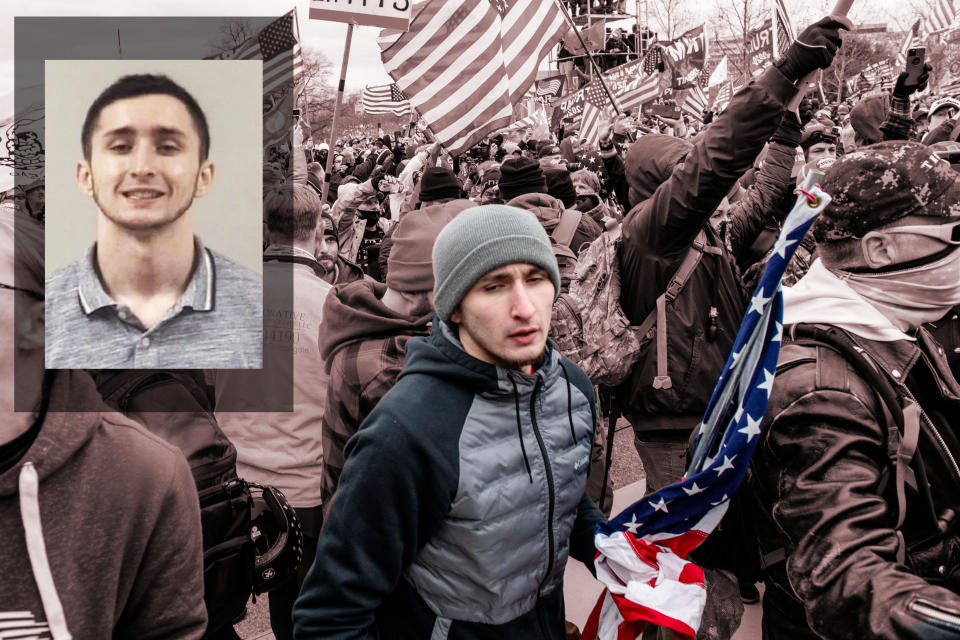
x,y
198,295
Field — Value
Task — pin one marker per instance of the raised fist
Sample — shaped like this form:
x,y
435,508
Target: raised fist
x,y
814,48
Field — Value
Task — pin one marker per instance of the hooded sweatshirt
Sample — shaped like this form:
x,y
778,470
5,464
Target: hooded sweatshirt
x,y
462,499
364,345
100,524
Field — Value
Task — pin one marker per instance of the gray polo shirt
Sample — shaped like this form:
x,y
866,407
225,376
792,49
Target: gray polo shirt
x,y
216,324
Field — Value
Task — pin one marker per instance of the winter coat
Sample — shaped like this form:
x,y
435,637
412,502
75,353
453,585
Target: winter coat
x,y
823,491
364,345
99,517
462,498
673,202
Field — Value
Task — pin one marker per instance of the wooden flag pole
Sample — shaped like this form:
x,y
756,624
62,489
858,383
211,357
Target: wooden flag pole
x,y
593,63
336,114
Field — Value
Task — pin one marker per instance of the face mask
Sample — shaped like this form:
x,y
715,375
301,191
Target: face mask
x,y
912,297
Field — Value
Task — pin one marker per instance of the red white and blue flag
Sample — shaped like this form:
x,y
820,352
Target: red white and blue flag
x,y
641,553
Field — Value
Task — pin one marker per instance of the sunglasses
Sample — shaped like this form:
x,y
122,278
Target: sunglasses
x,y
948,233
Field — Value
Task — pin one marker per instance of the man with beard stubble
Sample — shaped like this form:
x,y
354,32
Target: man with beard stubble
x,y
468,476
148,294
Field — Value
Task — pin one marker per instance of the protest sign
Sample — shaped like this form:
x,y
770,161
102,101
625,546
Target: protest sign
x,y
388,14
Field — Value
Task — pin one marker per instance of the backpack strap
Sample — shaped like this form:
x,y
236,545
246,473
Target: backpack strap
x,y
564,231
901,413
658,315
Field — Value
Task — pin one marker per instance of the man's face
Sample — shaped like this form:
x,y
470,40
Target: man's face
x,y
327,248
505,316
942,114
144,168
822,150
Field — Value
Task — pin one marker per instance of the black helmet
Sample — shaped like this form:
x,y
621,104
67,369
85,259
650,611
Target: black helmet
x,y
277,538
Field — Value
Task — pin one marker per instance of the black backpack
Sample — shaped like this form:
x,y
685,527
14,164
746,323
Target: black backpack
x,y
176,406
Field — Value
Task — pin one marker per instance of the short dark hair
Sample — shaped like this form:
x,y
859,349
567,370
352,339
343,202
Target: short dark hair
x,y
293,217
143,84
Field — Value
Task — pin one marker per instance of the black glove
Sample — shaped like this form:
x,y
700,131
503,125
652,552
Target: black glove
x,y
814,48
903,89
789,131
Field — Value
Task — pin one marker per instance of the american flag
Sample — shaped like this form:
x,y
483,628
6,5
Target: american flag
x,y
879,73
464,64
549,87
943,16
911,41
385,98
695,102
641,91
723,97
594,106
783,34
278,45
642,551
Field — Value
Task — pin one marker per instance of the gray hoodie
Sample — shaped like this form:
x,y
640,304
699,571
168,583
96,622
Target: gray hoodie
x,y
100,525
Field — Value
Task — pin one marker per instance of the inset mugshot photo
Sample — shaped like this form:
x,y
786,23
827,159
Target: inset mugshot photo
x,y
153,214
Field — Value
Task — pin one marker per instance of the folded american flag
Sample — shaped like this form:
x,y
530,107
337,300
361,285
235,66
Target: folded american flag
x,y
641,553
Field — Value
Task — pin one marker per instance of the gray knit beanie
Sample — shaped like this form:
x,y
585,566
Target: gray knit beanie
x,y
480,240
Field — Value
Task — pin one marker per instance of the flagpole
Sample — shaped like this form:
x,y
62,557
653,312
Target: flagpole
x,y
336,114
593,63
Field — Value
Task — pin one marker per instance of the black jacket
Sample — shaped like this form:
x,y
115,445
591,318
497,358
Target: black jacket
x,y
823,491
669,212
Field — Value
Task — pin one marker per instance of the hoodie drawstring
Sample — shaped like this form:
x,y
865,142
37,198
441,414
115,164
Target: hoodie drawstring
x,y
573,433
37,550
523,448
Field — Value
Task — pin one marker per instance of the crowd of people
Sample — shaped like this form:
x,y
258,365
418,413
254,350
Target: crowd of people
x,y
444,457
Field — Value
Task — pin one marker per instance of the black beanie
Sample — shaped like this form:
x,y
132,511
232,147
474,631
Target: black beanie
x,y
438,183
560,186
519,176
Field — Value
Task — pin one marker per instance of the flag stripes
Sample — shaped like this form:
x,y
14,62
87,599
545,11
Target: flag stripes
x,y
642,551
278,46
943,16
463,65
643,90
385,98
911,41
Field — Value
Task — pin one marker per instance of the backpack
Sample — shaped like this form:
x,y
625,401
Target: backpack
x,y
589,326
176,407
733,545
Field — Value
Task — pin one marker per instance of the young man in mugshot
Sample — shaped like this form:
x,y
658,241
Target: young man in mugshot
x,y
148,294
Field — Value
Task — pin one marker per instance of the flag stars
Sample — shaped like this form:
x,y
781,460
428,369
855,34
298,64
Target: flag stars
x,y
720,501
726,466
659,506
693,490
752,429
759,301
767,384
778,335
783,243
633,525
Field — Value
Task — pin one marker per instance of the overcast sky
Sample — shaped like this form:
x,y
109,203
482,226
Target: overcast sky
x,y
364,65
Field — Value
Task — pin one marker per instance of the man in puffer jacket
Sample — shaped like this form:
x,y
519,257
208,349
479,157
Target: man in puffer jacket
x,y
674,186
463,493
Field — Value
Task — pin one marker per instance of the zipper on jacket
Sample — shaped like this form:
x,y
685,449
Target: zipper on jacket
x,y
551,498
934,613
938,439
